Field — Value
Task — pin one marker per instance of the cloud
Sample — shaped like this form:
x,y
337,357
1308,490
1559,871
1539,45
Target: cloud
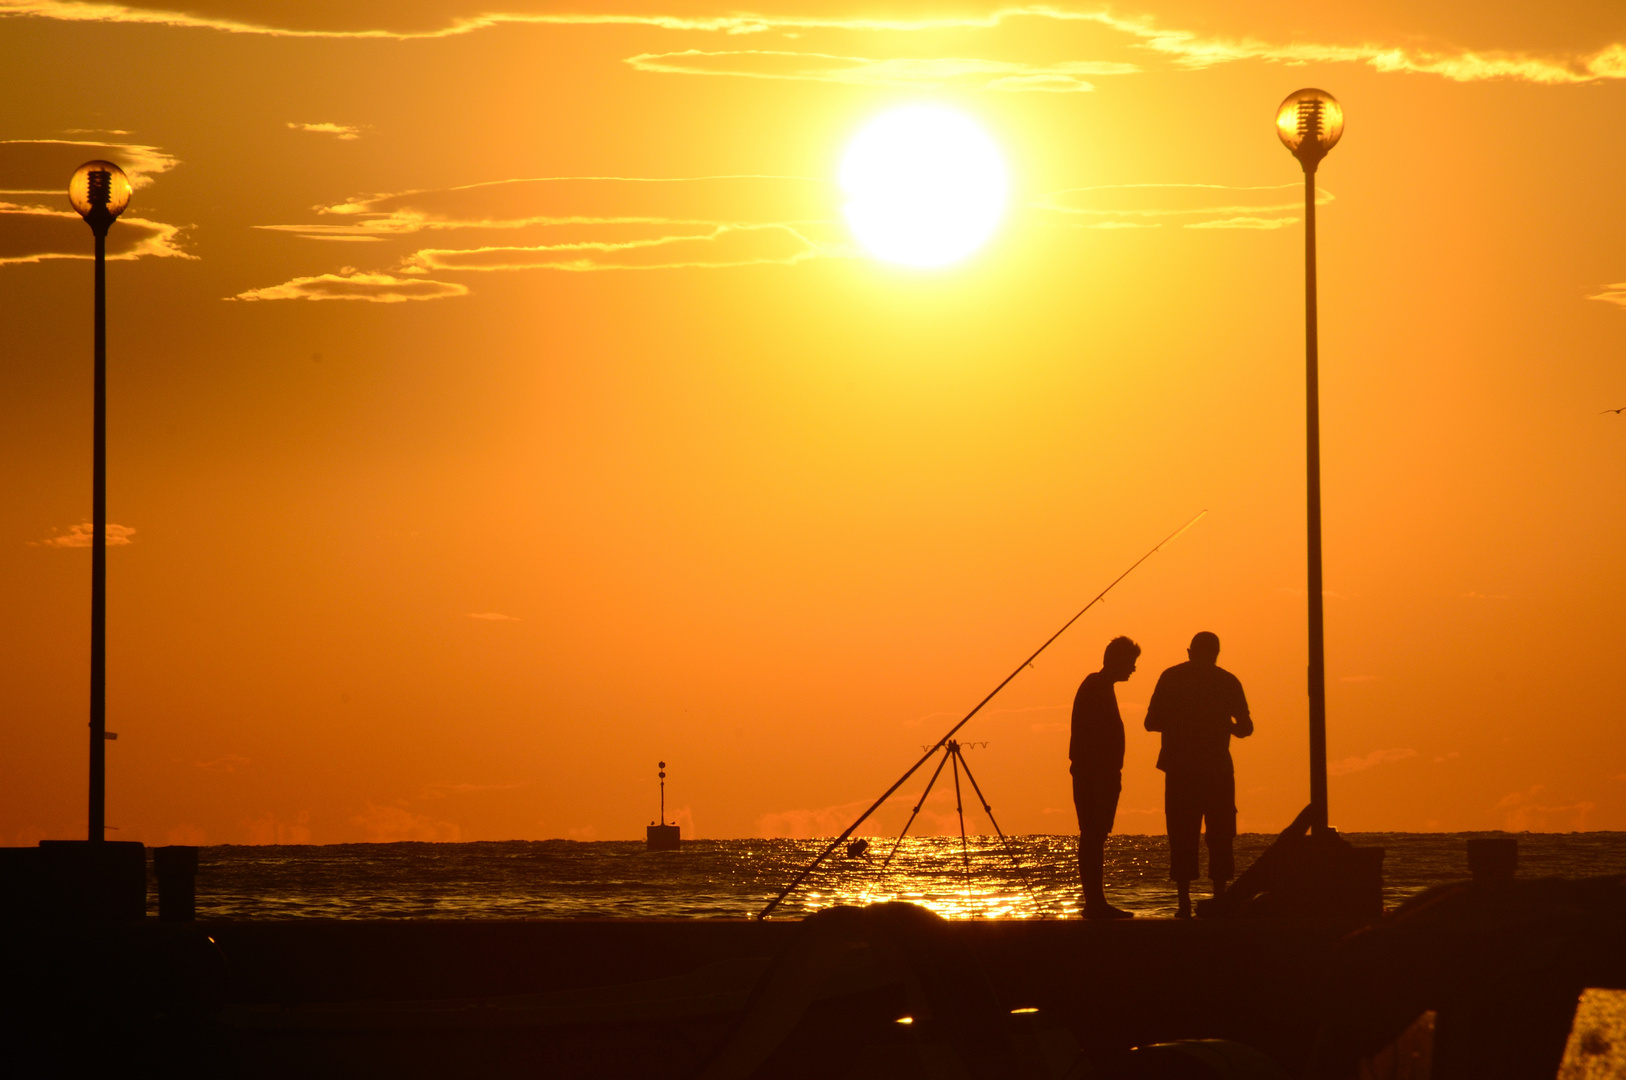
x,y
31,233
43,166
36,222
391,824
225,764
352,284
579,201
579,223
440,789
269,829
924,72
344,132
1614,294
723,245
1452,756
82,535
493,616
1361,764
1183,48
1194,206
808,824
1244,223
1525,814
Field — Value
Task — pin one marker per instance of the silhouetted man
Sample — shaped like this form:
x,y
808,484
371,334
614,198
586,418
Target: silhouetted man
x,y
1198,706
1097,753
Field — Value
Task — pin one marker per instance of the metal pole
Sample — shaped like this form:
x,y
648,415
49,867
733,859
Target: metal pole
x,y
1312,412
98,559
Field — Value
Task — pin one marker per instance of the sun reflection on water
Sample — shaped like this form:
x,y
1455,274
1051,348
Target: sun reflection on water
x,y
986,881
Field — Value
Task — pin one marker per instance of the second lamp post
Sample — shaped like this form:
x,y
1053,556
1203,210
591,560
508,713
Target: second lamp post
x,y
100,191
1310,123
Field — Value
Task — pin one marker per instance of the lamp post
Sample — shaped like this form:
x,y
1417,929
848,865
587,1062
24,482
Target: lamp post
x,y
100,191
1310,123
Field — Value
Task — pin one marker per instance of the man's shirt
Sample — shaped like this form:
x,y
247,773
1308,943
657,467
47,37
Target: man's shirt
x,y
1193,706
1097,747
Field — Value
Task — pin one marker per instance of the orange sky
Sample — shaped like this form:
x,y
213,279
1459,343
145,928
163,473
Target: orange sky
x,y
463,472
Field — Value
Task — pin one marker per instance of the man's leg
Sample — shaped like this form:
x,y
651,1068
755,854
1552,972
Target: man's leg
x,y
1219,811
1091,843
1097,802
1095,798
1091,868
1183,816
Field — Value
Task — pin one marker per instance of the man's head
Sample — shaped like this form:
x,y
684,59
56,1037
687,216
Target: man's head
x,y
1119,661
1204,648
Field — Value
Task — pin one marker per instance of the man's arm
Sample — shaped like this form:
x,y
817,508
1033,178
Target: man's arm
x,y
1242,724
1156,711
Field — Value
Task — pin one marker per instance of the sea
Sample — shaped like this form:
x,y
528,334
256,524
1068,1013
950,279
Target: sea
x,y
1020,877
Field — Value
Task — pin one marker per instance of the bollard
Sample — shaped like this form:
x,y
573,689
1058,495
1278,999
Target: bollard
x,y
1493,858
176,867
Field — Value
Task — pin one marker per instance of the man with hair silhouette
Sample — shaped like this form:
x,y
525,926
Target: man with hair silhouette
x,y
1198,706
1097,753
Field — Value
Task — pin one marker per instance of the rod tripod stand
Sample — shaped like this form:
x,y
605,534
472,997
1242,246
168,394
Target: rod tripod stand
x,y
954,755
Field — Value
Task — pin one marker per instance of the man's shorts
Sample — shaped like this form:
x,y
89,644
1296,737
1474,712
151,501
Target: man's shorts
x,y
1096,800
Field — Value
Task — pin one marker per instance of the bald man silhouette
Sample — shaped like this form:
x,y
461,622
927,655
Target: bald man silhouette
x,y
1198,706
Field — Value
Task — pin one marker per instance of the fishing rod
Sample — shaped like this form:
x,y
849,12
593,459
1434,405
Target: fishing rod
x,y
810,867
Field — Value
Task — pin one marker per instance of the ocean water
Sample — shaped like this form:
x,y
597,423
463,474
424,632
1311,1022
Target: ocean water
x,y
1035,876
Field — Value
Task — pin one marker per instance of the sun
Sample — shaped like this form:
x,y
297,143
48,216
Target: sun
x,y
925,186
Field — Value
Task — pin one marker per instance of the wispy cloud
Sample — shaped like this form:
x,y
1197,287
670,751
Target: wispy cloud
x,y
271,829
83,535
577,224
225,764
352,284
1612,294
807,824
492,616
1523,813
344,132
1182,48
29,234
43,166
440,789
1244,223
1194,206
723,245
574,201
391,824
925,72
35,221
1375,758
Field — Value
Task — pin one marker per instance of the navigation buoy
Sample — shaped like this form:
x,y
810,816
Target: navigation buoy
x,y
662,837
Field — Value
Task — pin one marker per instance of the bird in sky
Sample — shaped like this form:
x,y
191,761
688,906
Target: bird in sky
x,y
1617,412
